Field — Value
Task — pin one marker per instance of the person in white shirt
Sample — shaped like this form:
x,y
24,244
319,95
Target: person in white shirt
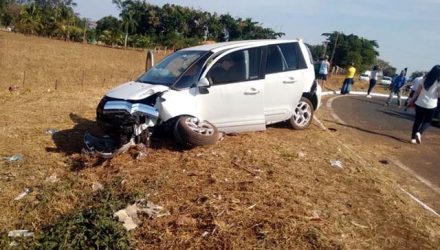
x,y
323,71
414,84
373,80
425,100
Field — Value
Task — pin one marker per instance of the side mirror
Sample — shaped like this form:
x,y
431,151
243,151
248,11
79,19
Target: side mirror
x,y
203,82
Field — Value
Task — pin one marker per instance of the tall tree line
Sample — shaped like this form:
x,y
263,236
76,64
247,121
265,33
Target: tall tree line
x,y
140,24
345,49
144,25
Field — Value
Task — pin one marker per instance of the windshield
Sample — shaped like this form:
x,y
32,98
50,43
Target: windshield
x,y
170,68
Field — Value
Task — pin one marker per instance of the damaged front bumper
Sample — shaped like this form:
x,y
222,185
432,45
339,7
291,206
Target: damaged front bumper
x,y
125,123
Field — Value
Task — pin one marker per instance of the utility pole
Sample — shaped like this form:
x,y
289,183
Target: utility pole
x,y
334,48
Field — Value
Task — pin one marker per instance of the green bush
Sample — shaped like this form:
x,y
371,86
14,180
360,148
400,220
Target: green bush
x,y
88,228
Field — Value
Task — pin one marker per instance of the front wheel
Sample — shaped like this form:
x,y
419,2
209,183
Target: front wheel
x,y
303,114
191,131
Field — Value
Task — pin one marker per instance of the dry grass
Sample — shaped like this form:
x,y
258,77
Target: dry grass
x,y
274,189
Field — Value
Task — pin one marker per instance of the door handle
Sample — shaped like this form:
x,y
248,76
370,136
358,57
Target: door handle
x,y
252,91
289,80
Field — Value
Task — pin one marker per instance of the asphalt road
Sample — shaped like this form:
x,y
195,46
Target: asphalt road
x,y
378,124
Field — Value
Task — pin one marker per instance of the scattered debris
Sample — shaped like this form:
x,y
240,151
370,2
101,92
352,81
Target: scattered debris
x,y
103,147
52,131
52,179
221,136
14,158
250,207
385,162
96,186
336,164
137,151
129,215
13,88
300,154
20,233
23,194
206,233
315,216
359,225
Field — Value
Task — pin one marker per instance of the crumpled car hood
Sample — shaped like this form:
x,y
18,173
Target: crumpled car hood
x,y
135,91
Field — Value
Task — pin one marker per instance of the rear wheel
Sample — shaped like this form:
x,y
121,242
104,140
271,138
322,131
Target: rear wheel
x,y
191,131
303,114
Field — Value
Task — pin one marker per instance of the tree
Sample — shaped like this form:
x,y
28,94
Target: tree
x,y
106,23
352,49
129,24
30,19
387,69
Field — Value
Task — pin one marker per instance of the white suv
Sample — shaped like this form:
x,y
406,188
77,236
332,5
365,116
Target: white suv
x,y
197,92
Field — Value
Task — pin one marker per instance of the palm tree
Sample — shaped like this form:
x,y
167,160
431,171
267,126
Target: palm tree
x,y
30,18
111,37
66,18
129,24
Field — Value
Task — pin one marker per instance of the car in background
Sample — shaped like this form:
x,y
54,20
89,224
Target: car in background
x,y
386,81
364,77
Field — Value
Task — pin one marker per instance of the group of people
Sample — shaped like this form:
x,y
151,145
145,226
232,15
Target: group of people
x,y
424,94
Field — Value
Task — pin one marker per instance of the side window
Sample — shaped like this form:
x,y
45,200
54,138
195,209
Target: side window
x,y
293,56
274,62
238,66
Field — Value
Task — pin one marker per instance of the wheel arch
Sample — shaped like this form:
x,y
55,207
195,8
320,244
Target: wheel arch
x,y
313,98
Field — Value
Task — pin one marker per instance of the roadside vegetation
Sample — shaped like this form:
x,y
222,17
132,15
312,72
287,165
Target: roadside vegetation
x,y
272,189
143,25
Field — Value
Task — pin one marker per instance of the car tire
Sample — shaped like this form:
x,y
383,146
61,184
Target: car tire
x,y
303,114
190,132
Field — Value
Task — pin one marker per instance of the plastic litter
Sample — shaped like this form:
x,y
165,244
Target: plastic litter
x,y
52,131
300,154
14,158
22,195
52,179
96,186
336,164
129,215
20,233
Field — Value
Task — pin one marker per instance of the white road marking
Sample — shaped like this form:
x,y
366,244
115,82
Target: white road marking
x,y
333,114
420,202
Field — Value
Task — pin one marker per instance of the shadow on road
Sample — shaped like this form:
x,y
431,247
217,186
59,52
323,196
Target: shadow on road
x,y
362,99
403,115
369,131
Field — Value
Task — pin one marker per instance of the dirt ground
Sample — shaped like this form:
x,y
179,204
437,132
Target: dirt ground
x,y
272,189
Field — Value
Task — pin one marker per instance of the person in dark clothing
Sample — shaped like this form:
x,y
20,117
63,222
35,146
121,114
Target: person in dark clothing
x,y
373,80
396,86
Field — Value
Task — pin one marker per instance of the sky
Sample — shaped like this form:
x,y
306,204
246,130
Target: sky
x,y
407,31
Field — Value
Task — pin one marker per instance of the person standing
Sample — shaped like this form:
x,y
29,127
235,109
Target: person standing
x,y
323,71
425,99
348,81
373,80
414,85
396,85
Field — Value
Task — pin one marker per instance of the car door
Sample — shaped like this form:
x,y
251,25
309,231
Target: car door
x,y
285,81
234,100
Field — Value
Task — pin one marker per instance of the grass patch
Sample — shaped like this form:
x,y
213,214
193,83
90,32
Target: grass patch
x,y
92,227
